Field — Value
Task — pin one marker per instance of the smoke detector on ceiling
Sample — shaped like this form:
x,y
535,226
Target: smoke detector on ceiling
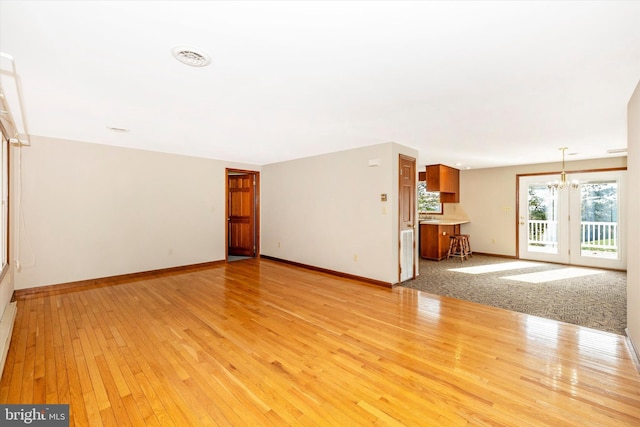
x,y
191,56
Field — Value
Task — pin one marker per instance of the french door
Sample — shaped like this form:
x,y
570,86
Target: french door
x,y
582,223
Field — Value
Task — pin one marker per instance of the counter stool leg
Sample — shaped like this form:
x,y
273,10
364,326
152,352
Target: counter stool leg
x,y
463,251
452,244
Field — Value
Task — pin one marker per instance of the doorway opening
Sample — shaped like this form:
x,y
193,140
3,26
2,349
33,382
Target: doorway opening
x,y
243,214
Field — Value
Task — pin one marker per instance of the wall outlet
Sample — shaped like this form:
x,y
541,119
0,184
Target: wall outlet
x,y
355,257
278,245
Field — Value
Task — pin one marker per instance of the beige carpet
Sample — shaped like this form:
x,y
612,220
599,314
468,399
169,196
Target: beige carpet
x,y
583,296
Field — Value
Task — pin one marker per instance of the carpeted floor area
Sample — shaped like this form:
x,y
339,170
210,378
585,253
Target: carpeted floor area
x,y
583,296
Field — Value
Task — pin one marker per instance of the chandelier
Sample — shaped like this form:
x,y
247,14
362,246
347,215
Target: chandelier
x,y
562,184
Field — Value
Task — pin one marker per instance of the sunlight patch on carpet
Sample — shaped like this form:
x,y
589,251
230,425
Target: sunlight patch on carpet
x,y
492,268
557,274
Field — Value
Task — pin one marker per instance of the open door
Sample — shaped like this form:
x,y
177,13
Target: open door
x,y
242,213
407,212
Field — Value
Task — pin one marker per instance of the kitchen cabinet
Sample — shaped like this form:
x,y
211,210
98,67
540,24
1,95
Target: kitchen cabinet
x,y
435,238
445,180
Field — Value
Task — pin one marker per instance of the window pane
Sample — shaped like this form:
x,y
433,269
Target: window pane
x,y
599,222
428,201
542,219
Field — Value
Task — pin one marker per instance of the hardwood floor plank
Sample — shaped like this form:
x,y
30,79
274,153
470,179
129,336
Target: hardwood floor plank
x,y
93,413
258,342
49,354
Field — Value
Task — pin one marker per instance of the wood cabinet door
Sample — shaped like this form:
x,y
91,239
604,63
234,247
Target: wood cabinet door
x,y
446,180
432,176
429,241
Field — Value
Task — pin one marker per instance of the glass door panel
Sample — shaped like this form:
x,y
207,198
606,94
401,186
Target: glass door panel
x,y
599,219
580,225
542,223
597,206
540,229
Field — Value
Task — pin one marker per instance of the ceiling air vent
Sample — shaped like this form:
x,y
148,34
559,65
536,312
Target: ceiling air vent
x,y
617,150
191,56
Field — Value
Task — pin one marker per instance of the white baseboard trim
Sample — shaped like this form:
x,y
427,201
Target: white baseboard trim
x,y
6,330
635,355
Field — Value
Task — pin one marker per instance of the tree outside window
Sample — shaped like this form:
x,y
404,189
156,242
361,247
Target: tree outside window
x,y
428,201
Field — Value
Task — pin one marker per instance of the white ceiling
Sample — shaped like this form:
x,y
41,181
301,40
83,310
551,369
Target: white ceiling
x,y
478,83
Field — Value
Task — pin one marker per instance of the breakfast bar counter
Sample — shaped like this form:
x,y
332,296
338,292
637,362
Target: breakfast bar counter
x,y
435,235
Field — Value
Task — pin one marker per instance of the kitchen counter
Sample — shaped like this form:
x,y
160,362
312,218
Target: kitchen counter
x,y
443,221
435,236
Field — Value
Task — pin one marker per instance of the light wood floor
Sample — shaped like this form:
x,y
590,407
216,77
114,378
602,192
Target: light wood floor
x,y
258,342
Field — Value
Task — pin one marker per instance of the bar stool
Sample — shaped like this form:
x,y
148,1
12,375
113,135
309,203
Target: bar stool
x,y
459,246
465,244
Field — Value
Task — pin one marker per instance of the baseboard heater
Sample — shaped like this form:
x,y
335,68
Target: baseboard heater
x,y
6,330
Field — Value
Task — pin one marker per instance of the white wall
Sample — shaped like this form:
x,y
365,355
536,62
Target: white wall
x,y
488,197
91,211
633,230
326,211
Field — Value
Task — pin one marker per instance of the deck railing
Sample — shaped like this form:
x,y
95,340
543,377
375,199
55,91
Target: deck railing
x,y
594,236
599,235
543,233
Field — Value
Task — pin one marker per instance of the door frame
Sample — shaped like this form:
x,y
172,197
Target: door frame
x,y
255,211
573,172
414,204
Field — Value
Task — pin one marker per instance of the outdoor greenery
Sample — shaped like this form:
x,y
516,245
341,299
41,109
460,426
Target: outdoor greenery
x,y
598,204
605,245
428,201
537,206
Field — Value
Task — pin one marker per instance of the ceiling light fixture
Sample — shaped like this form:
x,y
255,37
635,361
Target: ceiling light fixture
x,y
191,56
553,186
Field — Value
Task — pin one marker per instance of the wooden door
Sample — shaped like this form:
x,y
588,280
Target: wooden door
x,y
241,214
407,211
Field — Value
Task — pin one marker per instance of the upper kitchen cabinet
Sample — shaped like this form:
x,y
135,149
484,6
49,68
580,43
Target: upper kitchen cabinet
x,y
445,180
